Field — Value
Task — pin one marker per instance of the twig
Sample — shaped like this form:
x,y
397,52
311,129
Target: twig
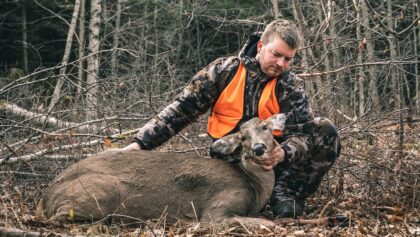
x,y
22,173
5,231
122,216
195,213
192,144
353,66
323,210
13,210
243,226
10,149
162,217
344,115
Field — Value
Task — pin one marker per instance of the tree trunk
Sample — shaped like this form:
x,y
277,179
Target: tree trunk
x,y
81,52
297,11
396,80
93,59
393,51
416,13
370,47
114,62
343,102
24,38
359,101
326,93
62,74
275,9
156,59
180,33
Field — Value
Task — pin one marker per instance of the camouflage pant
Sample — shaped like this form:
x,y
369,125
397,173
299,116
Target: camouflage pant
x,y
300,179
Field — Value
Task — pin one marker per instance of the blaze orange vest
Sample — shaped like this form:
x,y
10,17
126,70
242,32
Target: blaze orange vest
x,y
228,110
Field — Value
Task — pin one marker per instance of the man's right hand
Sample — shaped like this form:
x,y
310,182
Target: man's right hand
x,y
132,147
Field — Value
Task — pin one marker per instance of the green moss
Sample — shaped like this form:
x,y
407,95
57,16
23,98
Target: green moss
x,y
3,104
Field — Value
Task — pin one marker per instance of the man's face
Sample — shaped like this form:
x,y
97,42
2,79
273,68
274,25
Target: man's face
x,y
275,56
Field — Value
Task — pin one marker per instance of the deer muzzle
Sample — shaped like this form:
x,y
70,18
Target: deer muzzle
x,y
259,149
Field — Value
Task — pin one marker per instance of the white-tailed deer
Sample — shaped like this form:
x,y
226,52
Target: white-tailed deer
x,y
145,184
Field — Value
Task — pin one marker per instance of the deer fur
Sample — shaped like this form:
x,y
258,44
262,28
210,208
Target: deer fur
x,y
150,184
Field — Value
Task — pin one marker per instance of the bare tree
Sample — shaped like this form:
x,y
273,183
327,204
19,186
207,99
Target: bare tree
x,y
359,101
93,59
114,63
416,14
373,87
62,74
297,11
81,69
24,37
275,9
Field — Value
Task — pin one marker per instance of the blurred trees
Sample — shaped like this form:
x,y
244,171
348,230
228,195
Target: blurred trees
x,y
130,58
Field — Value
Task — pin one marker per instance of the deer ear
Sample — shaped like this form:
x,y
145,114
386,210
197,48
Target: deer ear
x,y
226,145
278,121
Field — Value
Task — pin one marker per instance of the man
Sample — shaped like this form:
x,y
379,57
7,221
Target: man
x,y
257,83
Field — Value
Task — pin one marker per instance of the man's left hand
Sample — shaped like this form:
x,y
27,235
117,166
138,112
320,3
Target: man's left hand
x,y
276,156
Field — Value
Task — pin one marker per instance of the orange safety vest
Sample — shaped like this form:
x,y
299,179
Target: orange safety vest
x,y
228,110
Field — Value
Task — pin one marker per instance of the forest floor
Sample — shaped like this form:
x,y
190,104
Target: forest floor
x,y
374,186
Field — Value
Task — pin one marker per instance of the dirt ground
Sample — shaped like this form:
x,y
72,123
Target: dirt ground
x,y
372,190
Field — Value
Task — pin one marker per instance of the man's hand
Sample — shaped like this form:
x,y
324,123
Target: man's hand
x,y
132,147
276,156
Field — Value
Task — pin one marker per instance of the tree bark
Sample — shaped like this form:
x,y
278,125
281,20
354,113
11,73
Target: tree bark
x,y
44,119
393,51
275,9
416,13
24,38
297,11
81,52
370,48
396,80
114,62
62,74
156,59
359,101
326,94
93,59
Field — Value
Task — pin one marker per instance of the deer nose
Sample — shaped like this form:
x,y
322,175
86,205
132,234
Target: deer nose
x,y
259,149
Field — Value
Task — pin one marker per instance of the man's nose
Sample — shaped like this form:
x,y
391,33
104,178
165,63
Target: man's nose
x,y
281,61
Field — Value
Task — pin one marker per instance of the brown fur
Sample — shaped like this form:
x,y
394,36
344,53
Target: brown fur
x,y
144,184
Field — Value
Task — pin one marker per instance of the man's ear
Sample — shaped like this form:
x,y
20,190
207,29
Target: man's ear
x,y
226,145
259,46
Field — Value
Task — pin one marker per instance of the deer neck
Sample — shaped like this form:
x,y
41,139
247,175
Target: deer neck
x,y
261,181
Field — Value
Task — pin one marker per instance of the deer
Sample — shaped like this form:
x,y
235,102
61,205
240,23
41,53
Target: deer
x,y
147,185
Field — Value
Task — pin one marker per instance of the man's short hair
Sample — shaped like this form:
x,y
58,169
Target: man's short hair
x,y
285,30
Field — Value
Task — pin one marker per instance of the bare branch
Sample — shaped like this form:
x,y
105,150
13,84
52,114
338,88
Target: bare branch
x,y
42,153
412,24
45,119
314,74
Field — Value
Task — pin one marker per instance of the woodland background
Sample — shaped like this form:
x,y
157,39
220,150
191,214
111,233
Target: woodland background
x,y
80,76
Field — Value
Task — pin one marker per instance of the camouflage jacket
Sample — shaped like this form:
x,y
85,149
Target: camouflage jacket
x,y
205,87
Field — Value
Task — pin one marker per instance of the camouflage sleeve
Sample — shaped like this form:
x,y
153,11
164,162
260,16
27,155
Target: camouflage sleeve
x,y
299,119
197,97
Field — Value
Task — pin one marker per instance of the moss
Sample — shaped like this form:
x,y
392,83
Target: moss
x,y
3,104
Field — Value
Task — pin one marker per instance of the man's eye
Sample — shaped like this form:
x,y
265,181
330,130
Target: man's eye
x,y
288,59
